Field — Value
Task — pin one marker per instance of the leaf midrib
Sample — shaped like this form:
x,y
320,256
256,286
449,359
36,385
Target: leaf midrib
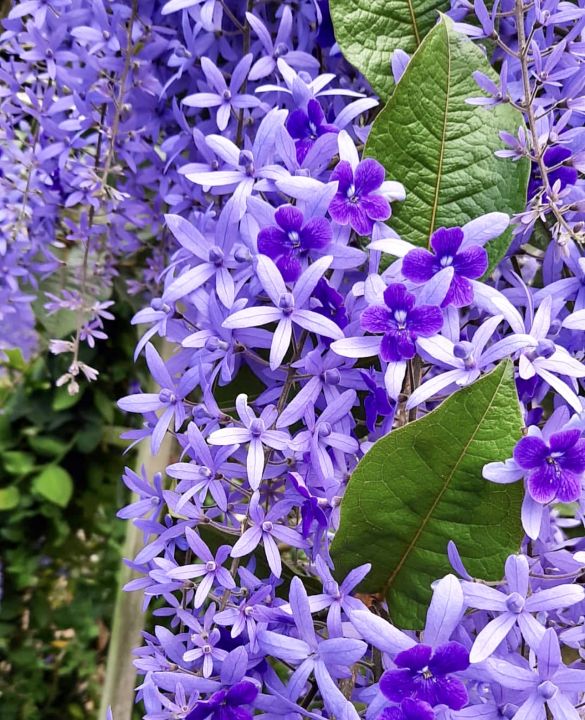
x,y
440,495
435,205
413,21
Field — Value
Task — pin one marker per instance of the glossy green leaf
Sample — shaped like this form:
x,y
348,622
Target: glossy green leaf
x,y
54,484
9,497
441,148
421,486
17,462
368,31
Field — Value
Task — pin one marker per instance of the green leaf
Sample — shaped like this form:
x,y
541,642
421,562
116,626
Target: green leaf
x,y
368,31
17,462
9,497
62,400
421,486
442,149
47,446
55,484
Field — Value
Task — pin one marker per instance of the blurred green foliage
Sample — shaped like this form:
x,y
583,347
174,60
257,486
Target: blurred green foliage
x,y
60,468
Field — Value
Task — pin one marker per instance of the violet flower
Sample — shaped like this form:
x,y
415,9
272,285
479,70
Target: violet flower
x,y
550,687
293,240
409,710
223,96
210,570
515,607
257,433
327,659
555,468
425,674
419,265
266,530
306,127
227,704
288,307
356,202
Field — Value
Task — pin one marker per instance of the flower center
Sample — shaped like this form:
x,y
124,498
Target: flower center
x,y
351,194
332,377
227,95
286,303
547,689
446,261
464,351
257,427
167,397
280,50
400,317
324,429
267,526
313,130
216,256
210,566
295,239
515,603
246,160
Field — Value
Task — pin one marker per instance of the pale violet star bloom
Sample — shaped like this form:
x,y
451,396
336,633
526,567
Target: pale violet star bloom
x,y
550,685
466,358
256,432
515,607
326,659
223,97
264,527
288,309
209,570
541,356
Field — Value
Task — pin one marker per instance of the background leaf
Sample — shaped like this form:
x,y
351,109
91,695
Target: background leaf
x,y
421,486
9,497
442,149
55,484
368,31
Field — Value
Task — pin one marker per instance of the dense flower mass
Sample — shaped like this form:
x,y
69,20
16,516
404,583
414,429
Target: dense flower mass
x,y
300,329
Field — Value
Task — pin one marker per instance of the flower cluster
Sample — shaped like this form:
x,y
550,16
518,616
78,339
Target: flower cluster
x,y
300,329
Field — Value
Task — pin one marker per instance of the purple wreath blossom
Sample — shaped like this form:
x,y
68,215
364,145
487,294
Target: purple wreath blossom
x,y
256,433
327,659
227,704
288,307
169,399
420,265
266,529
293,240
356,202
306,126
226,98
555,468
409,710
425,674
210,570
515,607
552,685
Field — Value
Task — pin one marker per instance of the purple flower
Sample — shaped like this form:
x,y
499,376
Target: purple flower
x,y
223,97
227,704
306,127
552,685
265,529
210,570
424,674
256,432
420,265
555,468
409,710
288,308
515,607
401,322
293,239
356,202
